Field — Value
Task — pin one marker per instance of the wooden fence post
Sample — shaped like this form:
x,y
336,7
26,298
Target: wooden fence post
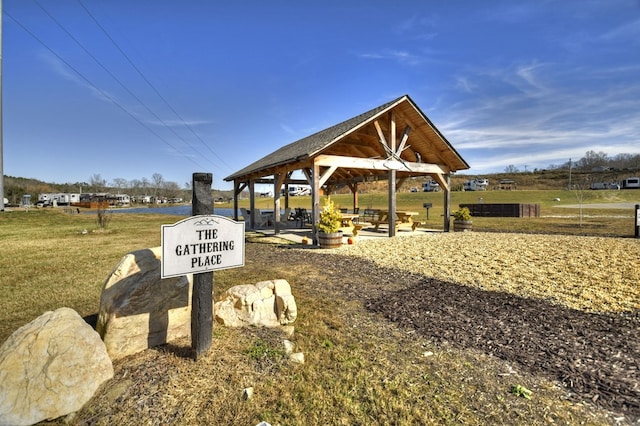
x,y
202,297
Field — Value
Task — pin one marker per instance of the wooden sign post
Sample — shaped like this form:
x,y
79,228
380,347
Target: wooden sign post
x,y
199,245
202,296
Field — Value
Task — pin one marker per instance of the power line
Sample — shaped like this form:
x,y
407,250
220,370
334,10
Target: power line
x,y
103,93
151,85
117,80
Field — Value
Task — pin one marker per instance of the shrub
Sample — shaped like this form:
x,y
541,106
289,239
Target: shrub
x,y
462,214
330,219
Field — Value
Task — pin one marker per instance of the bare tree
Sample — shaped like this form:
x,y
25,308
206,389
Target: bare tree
x,y
135,187
98,184
593,159
511,169
171,189
158,182
120,184
145,185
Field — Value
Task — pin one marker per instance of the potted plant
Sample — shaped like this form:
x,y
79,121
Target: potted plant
x,y
462,220
329,234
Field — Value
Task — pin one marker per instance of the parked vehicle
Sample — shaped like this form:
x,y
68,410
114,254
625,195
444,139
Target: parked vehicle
x,y
476,185
57,199
431,186
603,185
299,190
631,183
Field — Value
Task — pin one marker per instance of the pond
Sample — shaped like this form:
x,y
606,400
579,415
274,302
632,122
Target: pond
x,y
182,210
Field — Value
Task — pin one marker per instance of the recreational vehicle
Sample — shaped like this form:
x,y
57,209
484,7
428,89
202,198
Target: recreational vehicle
x,y
57,199
430,186
120,200
298,190
631,183
603,185
476,185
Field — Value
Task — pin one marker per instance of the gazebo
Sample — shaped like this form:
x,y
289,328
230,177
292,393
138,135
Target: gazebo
x,y
394,141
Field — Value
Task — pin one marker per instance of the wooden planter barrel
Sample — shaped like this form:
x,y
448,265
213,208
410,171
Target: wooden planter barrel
x,y
462,225
332,240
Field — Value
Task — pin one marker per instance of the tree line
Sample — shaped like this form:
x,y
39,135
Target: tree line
x,y
592,161
156,186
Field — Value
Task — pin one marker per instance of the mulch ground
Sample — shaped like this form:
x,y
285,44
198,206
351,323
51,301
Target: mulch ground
x,y
595,356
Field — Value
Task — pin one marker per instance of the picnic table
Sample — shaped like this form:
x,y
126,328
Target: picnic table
x,y
348,226
404,219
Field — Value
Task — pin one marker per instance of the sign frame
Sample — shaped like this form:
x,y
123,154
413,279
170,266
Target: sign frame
x,y
202,243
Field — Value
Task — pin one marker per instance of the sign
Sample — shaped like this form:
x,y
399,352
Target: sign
x,y
201,244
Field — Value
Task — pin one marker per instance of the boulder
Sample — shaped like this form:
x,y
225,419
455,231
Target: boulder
x,y
50,368
138,309
267,303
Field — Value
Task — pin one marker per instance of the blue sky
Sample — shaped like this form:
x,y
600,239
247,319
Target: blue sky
x,y
129,88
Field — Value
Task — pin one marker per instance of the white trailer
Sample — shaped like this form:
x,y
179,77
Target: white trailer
x,y
631,183
430,186
476,184
299,190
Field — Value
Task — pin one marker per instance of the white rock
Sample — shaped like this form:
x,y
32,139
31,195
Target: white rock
x,y
297,357
281,288
289,346
50,367
138,309
257,305
265,288
286,309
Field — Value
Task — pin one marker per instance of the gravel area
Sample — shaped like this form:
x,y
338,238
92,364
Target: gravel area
x,y
595,274
564,307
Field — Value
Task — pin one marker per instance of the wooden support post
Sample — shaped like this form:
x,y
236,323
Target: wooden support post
x,y
315,199
354,191
447,203
278,180
392,179
252,204
202,296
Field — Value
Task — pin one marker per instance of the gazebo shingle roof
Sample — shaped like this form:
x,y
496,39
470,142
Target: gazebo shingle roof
x,y
301,151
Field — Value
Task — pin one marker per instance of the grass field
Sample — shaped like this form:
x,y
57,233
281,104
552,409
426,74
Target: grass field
x,y
372,373
554,218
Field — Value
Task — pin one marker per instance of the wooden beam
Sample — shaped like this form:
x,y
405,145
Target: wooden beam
x,y
378,164
309,175
383,140
442,181
403,141
326,175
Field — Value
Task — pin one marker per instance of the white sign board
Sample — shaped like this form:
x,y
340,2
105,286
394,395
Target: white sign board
x,y
201,244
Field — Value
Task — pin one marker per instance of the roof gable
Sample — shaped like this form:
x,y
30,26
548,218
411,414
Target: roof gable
x,y
357,136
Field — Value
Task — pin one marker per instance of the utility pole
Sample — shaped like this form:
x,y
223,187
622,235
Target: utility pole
x,y
569,173
1,166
